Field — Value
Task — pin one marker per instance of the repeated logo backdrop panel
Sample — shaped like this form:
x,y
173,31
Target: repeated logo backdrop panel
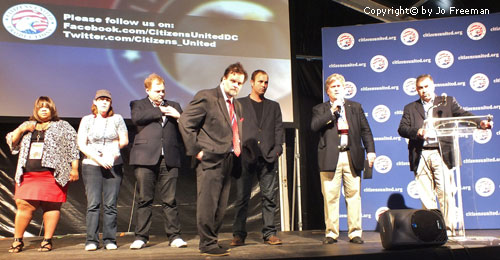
x,y
381,62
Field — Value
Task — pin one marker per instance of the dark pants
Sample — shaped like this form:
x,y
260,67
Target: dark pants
x,y
266,175
101,185
165,178
213,185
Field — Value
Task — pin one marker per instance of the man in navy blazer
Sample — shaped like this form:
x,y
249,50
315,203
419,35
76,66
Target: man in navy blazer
x,y
211,129
156,156
262,145
432,165
344,136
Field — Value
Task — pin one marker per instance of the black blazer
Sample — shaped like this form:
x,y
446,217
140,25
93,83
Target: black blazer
x,y
360,136
205,126
152,136
265,138
413,119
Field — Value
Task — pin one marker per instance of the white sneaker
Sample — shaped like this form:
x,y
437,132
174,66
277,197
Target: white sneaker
x,y
138,244
178,242
111,246
91,247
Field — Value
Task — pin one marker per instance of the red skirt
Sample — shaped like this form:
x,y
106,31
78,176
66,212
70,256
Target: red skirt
x,y
40,186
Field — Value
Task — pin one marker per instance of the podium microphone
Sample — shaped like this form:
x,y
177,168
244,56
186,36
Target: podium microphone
x,y
444,95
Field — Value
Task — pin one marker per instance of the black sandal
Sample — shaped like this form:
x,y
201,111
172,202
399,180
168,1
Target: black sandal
x,y
18,248
46,245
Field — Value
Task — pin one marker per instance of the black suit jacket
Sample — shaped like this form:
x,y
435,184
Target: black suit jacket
x,y
152,136
265,138
360,136
205,126
413,119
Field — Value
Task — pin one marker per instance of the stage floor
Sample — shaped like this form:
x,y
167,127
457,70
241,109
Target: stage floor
x,y
480,244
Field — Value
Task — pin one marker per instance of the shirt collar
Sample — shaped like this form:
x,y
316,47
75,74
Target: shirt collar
x,y
154,104
430,101
224,93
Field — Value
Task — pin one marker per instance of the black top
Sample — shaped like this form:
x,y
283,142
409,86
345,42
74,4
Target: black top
x,y
258,107
35,165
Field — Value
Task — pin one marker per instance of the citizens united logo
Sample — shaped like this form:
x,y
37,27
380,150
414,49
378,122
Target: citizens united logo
x,y
29,22
345,41
410,87
479,82
379,63
482,136
485,187
444,59
350,89
409,36
412,189
381,113
382,164
476,31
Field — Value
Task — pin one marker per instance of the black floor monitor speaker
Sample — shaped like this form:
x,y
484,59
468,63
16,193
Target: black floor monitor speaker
x,y
410,228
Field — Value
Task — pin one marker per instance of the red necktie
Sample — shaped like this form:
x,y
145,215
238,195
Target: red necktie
x,y
234,126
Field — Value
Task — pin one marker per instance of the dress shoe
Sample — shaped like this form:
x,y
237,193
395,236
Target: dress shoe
x,y
216,251
237,241
329,240
357,240
273,240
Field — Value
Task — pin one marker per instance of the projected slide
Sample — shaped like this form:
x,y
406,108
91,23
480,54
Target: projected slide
x,y
69,49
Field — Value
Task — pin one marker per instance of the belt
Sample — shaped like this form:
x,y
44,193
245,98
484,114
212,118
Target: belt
x,y
430,148
343,148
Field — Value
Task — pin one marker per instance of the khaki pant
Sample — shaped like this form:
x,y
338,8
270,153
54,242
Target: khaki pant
x,y
435,179
330,187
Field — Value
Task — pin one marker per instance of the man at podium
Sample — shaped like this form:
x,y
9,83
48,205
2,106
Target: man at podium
x,y
430,160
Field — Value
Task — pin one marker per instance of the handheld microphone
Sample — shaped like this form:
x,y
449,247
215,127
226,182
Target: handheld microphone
x,y
340,102
444,95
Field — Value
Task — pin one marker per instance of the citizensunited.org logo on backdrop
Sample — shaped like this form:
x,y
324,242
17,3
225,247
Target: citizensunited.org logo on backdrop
x,y
476,31
381,113
444,59
412,190
380,211
482,136
29,22
410,87
382,164
379,63
479,82
345,41
485,187
409,36
350,89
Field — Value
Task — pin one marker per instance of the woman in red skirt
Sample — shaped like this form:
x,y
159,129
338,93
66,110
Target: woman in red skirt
x,y
48,161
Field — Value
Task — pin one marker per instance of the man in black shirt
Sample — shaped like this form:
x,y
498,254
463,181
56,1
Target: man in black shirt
x,y
262,141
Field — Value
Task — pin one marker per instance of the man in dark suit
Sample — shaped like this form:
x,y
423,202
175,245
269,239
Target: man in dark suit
x,y
156,155
262,142
344,136
211,129
430,165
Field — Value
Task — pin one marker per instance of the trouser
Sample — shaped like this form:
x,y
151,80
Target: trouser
x,y
101,185
165,179
266,175
330,187
213,185
433,179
